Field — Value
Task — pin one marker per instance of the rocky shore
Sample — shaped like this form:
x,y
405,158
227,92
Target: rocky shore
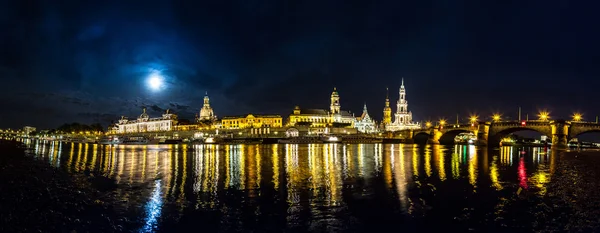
x,y
36,197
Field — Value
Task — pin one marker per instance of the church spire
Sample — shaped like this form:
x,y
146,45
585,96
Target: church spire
x,y
387,111
402,82
387,93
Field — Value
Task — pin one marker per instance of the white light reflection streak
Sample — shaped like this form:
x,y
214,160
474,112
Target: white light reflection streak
x,y
153,209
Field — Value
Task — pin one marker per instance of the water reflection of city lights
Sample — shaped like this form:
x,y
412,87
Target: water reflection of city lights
x,y
275,162
427,161
522,173
439,159
473,166
494,174
456,162
415,161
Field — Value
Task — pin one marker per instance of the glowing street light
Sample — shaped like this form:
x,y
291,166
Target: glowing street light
x,y
496,117
428,124
577,117
473,119
544,115
442,122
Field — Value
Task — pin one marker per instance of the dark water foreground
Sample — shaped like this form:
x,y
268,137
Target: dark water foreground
x,y
61,187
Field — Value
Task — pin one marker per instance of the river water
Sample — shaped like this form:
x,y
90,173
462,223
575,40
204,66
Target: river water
x,y
321,187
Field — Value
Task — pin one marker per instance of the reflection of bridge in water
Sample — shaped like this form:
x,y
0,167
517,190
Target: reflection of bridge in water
x,y
490,133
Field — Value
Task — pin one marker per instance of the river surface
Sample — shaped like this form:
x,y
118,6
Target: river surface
x,y
319,188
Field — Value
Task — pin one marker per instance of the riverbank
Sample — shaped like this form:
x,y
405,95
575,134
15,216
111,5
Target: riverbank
x,y
39,198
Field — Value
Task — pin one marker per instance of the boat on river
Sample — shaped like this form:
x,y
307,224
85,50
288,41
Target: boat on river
x,y
110,140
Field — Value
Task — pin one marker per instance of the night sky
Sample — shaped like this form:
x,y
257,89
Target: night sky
x,y
88,61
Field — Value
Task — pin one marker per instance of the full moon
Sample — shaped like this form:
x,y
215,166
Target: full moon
x,y
155,82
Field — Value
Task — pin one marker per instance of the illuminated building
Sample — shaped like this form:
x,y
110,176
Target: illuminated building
x,y
206,113
403,117
251,121
28,129
322,118
387,110
364,123
146,124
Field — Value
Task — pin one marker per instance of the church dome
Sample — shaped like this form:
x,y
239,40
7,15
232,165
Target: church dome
x,y
334,93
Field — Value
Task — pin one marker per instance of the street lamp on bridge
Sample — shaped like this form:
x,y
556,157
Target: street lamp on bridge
x,y
428,124
473,119
442,122
544,115
577,116
496,117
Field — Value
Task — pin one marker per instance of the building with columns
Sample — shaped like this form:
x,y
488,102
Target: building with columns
x,y
403,117
364,123
251,121
321,118
146,124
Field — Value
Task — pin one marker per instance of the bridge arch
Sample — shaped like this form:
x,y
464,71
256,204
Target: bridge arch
x,y
582,132
447,137
421,138
497,135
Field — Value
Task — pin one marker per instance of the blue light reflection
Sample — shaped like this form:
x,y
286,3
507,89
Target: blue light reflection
x,y
153,208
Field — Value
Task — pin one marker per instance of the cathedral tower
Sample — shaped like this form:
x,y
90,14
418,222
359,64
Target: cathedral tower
x,y
403,116
402,103
206,113
335,102
387,111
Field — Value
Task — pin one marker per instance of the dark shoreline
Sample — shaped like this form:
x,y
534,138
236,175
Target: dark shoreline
x,y
39,198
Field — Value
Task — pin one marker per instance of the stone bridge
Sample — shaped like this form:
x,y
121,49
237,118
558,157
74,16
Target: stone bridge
x,y
490,133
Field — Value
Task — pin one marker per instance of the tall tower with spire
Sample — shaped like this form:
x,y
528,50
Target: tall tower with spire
x,y
206,113
365,114
387,111
334,108
403,117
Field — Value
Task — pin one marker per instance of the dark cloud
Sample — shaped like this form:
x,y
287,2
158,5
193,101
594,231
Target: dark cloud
x,y
62,61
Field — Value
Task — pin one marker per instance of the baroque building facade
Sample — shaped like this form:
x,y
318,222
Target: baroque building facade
x,y
251,121
321,118
146,124
364,123
403,117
